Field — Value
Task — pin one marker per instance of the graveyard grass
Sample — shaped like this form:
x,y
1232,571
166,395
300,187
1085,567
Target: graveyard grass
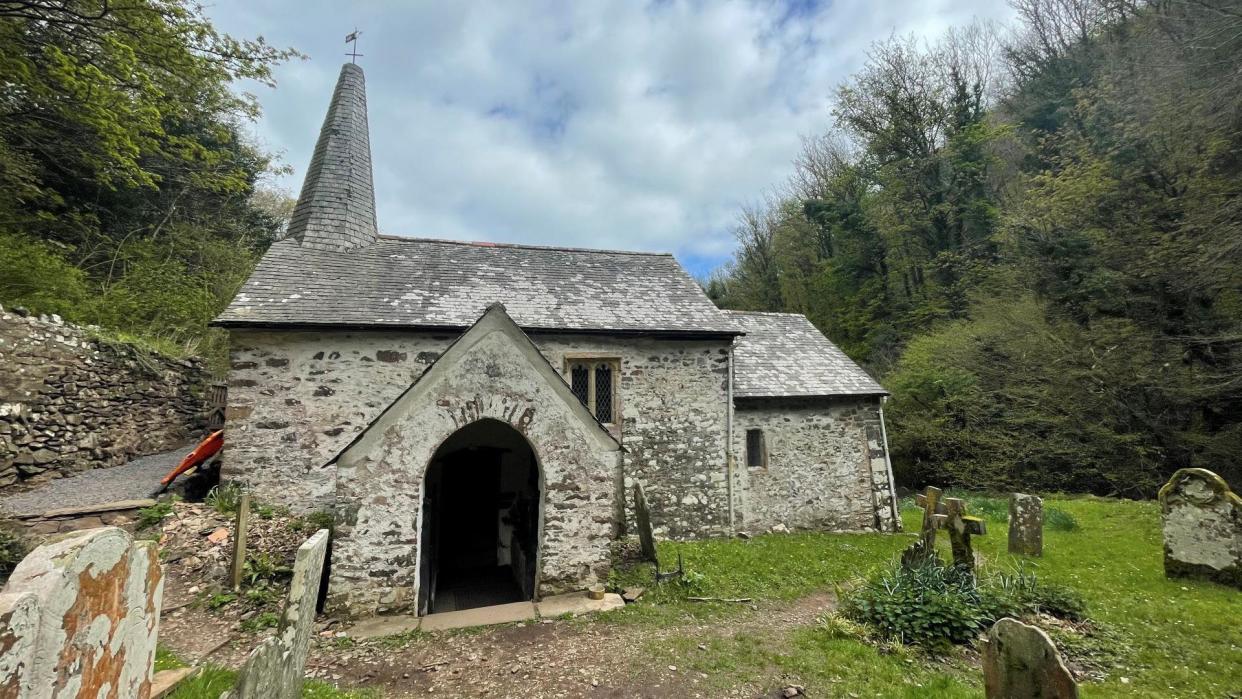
x,y
1164,637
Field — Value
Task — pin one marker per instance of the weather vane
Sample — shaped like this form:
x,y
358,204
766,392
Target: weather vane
x,y
352,38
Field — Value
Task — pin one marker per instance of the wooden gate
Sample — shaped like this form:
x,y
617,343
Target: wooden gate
x,y
217,399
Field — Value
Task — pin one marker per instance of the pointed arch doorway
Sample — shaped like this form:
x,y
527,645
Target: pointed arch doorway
x,y
482,514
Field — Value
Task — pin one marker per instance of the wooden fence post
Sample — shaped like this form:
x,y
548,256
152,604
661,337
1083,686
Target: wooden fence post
x,y
239,540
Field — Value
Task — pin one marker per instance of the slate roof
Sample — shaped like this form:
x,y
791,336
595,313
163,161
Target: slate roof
x,y
783,354
336,210
413,282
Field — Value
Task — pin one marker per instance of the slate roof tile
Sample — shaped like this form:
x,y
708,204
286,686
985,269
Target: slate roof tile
x,y
783,354
414,282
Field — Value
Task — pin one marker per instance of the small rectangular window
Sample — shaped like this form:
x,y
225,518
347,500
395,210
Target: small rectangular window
x,y
756,450
594,382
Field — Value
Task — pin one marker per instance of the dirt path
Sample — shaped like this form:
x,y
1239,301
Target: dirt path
x,y
550,658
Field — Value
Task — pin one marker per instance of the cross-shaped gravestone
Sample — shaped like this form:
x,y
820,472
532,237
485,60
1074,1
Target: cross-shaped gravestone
x,y
950,514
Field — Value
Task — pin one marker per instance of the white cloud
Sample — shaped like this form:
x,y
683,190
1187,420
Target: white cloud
x,y
603,124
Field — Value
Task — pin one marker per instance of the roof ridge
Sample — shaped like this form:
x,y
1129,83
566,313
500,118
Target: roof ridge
x,y
525,246
763,313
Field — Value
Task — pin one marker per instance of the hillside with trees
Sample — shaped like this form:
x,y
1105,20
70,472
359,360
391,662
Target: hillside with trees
x,y
129,197
1033,237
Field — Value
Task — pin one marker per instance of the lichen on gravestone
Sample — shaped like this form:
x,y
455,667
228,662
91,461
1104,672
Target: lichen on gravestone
x,y
275,669
1026,525
1020,661
1202,527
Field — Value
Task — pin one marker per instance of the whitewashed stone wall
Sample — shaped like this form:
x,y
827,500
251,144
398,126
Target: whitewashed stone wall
x,y
297,399
79,618
826,466
492,373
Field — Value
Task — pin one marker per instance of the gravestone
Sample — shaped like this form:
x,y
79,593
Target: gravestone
x,y
642,514
1202,527
1026,525
276,666
79,617
1021,662
944,513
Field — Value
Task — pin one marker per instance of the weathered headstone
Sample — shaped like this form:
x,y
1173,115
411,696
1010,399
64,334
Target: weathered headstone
x,y
1026,525
642,514
961,527
1021,662
276,666
79,618
1202,527
944,513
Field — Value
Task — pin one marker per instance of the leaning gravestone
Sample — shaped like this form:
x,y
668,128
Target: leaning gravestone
x,y
1026,525
275,668
1021,662
642,513
1202,527
79,617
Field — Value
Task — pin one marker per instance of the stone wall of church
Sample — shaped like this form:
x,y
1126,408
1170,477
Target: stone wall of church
x,y
826,466
297,398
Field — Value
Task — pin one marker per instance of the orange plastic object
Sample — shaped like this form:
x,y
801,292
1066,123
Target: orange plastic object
x,y
205,450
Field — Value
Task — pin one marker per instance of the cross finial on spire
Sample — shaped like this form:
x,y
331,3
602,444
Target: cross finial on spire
x,y
352,38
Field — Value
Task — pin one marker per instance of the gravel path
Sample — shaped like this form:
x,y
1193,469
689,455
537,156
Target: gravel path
x,y
133,481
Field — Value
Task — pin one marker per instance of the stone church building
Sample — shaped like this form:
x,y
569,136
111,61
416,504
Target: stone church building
x,y
476,414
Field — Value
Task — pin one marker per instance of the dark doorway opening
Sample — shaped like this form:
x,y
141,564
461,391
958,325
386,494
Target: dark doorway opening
x,y
480,535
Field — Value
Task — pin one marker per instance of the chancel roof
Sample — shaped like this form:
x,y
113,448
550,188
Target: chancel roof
x,y
784,355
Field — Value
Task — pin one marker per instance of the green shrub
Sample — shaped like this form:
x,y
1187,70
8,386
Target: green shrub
x,y
261,567
1059,520
936,604
151,516
929,604
258,622
225,498
13,548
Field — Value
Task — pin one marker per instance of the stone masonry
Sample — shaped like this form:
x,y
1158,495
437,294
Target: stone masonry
x,y
297,399
493,373
821,471
70,402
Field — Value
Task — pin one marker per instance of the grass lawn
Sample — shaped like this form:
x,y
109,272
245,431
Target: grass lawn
x,y
1157,637
212,680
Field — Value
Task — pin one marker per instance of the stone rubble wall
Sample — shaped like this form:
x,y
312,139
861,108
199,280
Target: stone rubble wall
x,y
297,399
79,617
494,374
70,402
826,466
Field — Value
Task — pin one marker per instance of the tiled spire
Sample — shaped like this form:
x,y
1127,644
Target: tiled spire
x,y
336,209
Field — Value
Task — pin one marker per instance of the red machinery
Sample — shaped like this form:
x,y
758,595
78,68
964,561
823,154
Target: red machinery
x,y
202,454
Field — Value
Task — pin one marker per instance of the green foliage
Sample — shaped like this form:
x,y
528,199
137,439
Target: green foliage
x,y
930,604
261,621
936,604
225,498
1059,520
13,548
1045,272
221,599
151,516
127,189
166,659
261,567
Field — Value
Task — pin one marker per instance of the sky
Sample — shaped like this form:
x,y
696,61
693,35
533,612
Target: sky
x,y
622,125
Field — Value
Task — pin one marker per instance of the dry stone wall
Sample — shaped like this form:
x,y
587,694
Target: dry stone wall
x,y
297,399
826,466
70,402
